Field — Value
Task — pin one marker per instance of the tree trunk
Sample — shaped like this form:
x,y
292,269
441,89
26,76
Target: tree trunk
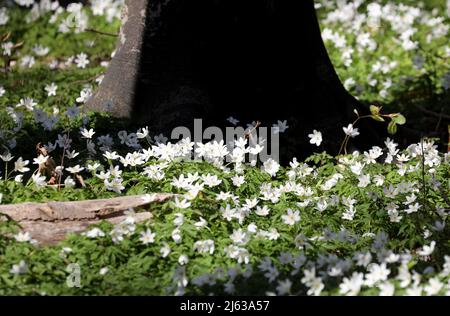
x,y
264,60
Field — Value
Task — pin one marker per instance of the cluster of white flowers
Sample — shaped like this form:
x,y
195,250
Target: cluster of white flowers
x,y
353,30
302,186
315,277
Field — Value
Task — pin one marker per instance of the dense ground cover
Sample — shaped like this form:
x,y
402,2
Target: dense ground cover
x,y
367,223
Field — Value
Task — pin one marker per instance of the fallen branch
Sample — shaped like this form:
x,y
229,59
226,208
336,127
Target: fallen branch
x,y
50,222
101,32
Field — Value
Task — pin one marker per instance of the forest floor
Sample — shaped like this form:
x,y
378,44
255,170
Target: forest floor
x,y
364,223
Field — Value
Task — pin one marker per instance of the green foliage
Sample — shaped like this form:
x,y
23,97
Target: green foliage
x,y
342,215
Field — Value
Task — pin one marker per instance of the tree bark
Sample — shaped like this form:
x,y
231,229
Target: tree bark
x,y
256,60
116,93
50,222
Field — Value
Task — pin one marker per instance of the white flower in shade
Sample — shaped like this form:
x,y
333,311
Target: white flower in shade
x,y
386,289
241,254
280,127
51,89
413,208
427,250
364,180
410,199
204,246
192,193
414,290
357,168
395,217
201,223
41,160
82,60
438,226
40,50
232,120
69,183
211,180
160,139
271,167
349,214
73,111
7,48
40,116
2,91
103,175
23,237
350,131
272,234
75,169
25,3
87,133
255,151
38,180
64,251
240,237
95,232
284,287
322,204
93,167
250,203
20,165
183,259
182,203
262,210
165,250
85,94
59,170
291,217
114,185
111,155
352,286
27,61
223,196
363,259
179,219
315,138
28,103
4,18
18,178
238,180
103,271
115,172
6,157
377,273
434,287
142,133
379,180
402,158
176,235
252,228
147,237
315,287
20,268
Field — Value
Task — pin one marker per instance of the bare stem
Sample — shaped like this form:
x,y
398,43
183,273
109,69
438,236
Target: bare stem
x,y
101,32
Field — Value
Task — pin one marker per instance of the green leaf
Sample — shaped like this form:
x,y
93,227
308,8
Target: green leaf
x,y
375,110
392,128
399,119
377,118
